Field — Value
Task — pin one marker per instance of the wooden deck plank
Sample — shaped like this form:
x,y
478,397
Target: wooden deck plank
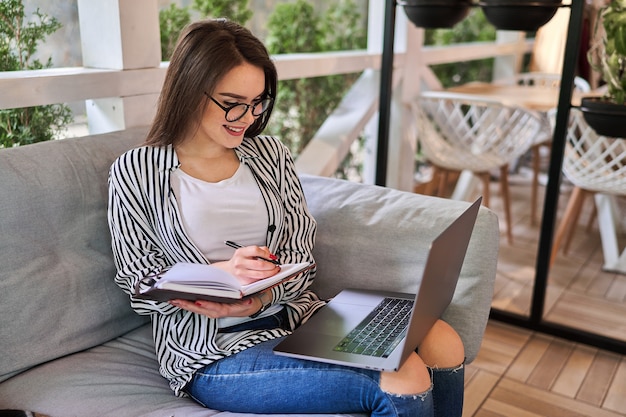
x,y
591,314
550,365
507,295
477,390
581,282
573,374
600,286
506,334
505,409
599,378
591,382
617,290
616,396
531,403
525,363
485,413
492,360
571,407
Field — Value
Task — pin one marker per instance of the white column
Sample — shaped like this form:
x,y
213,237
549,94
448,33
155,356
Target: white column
x,y
401,162
122,35
509,65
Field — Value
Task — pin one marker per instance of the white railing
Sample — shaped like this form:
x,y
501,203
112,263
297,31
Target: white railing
x,y
62,85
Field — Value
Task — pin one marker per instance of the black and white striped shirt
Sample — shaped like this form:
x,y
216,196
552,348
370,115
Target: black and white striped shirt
x,y
148,237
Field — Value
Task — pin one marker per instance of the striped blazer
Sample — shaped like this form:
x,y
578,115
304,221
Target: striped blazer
x,y
148,237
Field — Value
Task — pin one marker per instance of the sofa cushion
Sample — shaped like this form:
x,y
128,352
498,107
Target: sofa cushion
x,y
57,293
113,379
378,238
120,378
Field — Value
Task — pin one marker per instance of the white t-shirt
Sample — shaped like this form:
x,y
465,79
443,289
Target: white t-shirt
x,y
232,209
212,212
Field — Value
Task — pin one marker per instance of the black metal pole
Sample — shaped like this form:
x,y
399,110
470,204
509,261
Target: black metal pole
x,y
570,60
384,100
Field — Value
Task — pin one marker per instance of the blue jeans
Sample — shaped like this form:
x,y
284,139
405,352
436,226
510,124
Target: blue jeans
x,y
448,390
258,381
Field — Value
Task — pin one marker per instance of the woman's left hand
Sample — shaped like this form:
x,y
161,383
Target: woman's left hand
x,y
215,310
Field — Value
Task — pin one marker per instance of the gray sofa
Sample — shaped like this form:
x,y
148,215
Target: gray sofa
x,y
70,344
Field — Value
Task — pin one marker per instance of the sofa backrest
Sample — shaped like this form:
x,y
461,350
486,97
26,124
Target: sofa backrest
x,y
378,238
57,293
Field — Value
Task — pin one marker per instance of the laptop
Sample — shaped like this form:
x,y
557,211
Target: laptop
x,y
359,327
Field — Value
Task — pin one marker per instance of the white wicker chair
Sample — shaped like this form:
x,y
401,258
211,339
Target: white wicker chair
x,y
596,165
544,139
460,132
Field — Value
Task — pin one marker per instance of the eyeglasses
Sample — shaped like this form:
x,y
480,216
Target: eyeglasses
x,y
238,110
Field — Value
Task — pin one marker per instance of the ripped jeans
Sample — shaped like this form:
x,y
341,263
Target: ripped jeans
x,y
258,381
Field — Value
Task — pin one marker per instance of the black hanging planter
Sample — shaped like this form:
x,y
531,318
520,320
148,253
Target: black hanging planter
x,y
433,14
605,117
523,15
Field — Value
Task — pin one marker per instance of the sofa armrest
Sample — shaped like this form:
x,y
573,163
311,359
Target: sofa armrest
x,y
378,238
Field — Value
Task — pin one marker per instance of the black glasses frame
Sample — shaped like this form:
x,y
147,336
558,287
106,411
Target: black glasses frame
x,y
253,107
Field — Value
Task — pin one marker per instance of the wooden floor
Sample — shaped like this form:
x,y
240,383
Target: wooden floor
x,y
521,373
579,294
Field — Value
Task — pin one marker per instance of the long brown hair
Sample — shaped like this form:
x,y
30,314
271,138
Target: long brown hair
x,y
205,52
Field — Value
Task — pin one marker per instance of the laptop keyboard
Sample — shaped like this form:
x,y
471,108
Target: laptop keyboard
x,y
381,331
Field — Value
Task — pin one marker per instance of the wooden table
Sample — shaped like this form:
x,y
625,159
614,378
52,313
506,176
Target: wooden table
x,y
541,99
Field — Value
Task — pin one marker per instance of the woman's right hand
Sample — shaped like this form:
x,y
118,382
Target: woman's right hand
x,y
248,266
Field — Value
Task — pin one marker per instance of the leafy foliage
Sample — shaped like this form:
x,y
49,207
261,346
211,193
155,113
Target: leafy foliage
x,y
18,43
302,105
607,54
235,10
172,20
474,28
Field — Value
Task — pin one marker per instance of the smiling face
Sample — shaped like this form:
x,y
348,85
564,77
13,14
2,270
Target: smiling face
x,y
242,84
211,52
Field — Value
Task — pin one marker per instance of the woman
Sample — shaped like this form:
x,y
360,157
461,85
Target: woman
x,y
205,176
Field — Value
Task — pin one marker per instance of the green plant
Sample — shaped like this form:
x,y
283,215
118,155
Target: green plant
x,y
474,28
172,20
18,43
302,105
607,53
235,10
